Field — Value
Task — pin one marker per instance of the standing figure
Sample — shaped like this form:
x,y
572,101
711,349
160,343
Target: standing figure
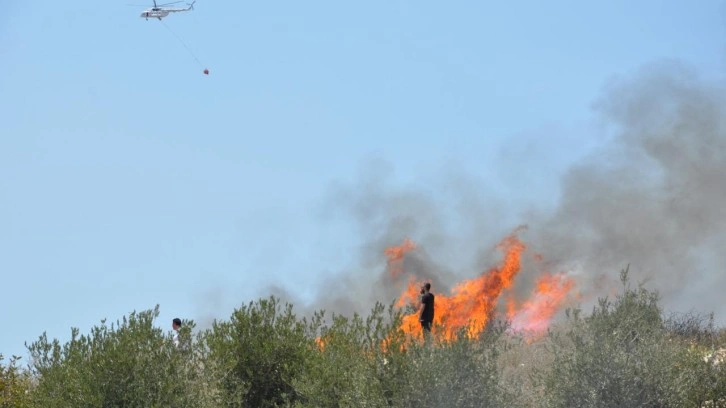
x,y
426,309
176,325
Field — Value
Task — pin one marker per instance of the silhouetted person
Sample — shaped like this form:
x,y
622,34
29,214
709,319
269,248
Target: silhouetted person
x,y
426,309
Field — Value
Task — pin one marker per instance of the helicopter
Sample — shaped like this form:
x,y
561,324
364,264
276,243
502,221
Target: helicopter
x,y
159,11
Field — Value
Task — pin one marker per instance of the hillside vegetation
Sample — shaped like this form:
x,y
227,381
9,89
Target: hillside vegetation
x,y
625,352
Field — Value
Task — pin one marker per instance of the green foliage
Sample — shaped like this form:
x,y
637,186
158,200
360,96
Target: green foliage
x,y
258,354
621,356
370,363
130,364
624,354
14,385
349,369
458,373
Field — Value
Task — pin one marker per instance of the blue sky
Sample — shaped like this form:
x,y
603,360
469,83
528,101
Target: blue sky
x,y
129,179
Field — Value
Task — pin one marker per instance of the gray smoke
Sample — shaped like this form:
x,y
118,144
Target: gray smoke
x,y
655,197
652,197
447,221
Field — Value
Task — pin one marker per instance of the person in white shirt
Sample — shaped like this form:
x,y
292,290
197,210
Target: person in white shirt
x,y
176,325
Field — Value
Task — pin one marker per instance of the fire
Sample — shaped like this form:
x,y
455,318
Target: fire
x,y
411,294
472,303
396,255
535,314
320,342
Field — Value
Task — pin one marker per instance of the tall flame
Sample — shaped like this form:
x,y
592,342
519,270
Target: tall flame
x,y
535,314
396,254
472,303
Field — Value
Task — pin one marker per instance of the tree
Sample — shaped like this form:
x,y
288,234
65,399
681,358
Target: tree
x,y
14,385
130,364
256,356
619,356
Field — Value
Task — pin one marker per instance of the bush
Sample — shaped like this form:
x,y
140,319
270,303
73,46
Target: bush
x,y
622,356
257,355
355,361
462,372
14,385
130,364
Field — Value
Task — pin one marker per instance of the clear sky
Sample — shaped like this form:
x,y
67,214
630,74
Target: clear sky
x,y
128,178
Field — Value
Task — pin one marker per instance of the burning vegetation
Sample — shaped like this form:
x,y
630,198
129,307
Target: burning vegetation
x,y
472,303
625,353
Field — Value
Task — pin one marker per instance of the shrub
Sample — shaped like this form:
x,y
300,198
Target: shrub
x,y
462,372
354,362
14,385
624,354
130,364
257,355
617,357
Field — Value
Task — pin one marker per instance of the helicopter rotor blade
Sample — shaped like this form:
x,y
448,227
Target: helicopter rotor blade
x,y
155,5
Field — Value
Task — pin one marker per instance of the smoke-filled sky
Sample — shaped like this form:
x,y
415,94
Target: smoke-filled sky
x,y
328,132
651,197
654,196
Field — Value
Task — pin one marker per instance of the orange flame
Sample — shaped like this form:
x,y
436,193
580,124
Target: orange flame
x,y
535,314
472,302
396,254
320,342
